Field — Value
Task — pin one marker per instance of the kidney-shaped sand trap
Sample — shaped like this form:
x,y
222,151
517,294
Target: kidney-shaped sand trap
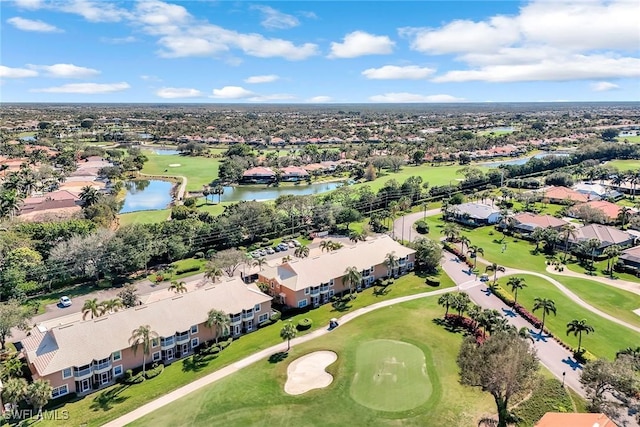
x,y
307,372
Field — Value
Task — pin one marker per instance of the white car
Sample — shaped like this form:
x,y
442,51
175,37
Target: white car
x,y
65,301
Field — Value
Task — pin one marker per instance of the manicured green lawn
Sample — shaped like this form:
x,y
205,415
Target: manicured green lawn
x,y
624,165
600,270
608,338
144,217
198,170
255,395
629,138
112,402
390,376
434,175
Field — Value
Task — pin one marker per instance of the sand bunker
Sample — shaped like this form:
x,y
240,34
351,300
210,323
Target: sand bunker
x,y
307,372
174,165
637,311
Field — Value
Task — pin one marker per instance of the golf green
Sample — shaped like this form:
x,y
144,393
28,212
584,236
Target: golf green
x,y
390,376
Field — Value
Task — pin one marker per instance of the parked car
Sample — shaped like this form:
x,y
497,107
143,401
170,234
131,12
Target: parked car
x,y
296,243
263,252
292,245
65,301
270,251
277,248
283,246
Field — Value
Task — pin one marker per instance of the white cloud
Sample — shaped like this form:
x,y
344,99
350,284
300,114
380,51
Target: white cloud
x,y
321,99
33,25
399,97
150,78
65,71
86,88
185,46
92,11
272,97
261,79
273,19
603,86
118,40
16,73
153,12
232,92
360,43
573,67
178,92
394,72
28,4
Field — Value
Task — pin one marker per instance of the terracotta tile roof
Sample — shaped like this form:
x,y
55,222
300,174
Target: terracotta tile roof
x,y
259,171
563,419
564,193
531,221
611,210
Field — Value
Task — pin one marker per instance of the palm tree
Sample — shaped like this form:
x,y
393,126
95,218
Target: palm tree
x,y
392,262
288,332
473,251
213,271
352,278
260,262
623,215
464,241
38,394
286,259
219,322
461,303
334,246
142,336
592,245
89,196
495,268
325,245
11,368
611,252
301,251
547,306
177,287
516,283
357,236
487,320
92,307
567,232
538,236
451,231
446,300
14,390
9,203
577,327
110,306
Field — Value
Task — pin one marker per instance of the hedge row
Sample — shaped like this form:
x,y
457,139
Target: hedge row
x,y
466,323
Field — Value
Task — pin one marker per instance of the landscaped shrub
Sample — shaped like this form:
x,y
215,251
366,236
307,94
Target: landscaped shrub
x,y
188,269
225,344
422,227
432,281
304,324
583,356
154,371
548,396
275,315
469,324
198,255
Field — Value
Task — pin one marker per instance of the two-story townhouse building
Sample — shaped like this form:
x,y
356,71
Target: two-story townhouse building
x,y
83,355
313,281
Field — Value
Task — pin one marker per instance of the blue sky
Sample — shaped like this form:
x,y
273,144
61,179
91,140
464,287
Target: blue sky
x,y
327,51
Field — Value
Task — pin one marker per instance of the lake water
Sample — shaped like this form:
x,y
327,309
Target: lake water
x,y
165,151
145,195
236,194
521,160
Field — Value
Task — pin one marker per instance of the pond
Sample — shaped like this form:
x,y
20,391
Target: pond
x,y
145,195
521,160
236,194
165,151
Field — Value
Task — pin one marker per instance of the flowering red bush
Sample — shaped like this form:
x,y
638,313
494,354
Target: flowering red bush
x,y
469,324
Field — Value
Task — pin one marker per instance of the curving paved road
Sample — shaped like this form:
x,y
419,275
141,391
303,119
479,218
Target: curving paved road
x,y
403,226
625,285
249,360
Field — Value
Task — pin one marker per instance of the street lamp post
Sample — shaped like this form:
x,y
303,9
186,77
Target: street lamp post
x,y
563,375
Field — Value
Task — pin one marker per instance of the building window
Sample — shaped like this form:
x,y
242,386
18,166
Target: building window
x,y
117,370
195,342
155,342
302,303
263,318
117,355
331,283
331,292
194,329
59,391
256,308
156,356
306,291
66,373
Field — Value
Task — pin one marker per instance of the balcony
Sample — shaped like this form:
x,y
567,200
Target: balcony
x,y
315,292
167,343
247,316
80,374
236,320
324,289
98,368
183,338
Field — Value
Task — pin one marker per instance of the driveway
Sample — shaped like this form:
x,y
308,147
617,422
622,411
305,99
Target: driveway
x,y
403,226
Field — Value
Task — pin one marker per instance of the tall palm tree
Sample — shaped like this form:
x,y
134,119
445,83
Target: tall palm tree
x,y
11,368
623,215
446,300
547,306
495,268
260,262
392,262
451,231
14,390
577,327
301,251
213,271
487,320
177,287
142,336
611,252
89,196
352,278
92,307
473,251
9,203
219,322
464,241
286,259
592,245
325,245
110,306
288,332
357,236
567,232
516,283
461,302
